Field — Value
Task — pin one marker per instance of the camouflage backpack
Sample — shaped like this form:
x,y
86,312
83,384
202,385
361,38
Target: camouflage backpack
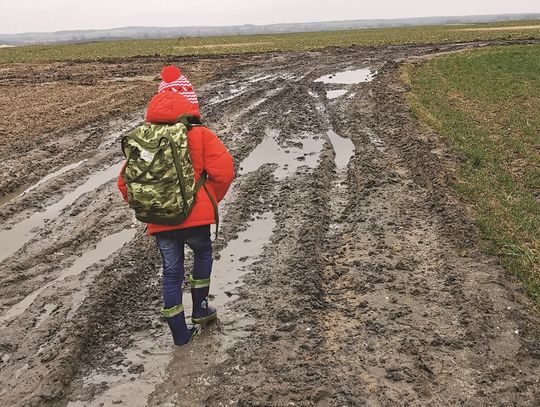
x,y
159,174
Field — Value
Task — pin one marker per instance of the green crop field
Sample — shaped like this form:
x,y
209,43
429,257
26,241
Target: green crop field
x,y
269,43
486,104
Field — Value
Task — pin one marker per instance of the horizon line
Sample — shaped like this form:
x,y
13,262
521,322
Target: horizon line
x,y
271,24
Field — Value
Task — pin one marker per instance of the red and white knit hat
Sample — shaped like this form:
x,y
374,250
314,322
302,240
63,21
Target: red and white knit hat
x,y
174,81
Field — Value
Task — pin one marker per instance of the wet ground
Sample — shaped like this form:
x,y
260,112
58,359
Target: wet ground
x,y
346,273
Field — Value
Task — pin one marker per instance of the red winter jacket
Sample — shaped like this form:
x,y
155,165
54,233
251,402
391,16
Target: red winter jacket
x,y
207,153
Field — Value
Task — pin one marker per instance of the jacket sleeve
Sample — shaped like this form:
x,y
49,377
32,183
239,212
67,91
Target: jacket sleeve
x,y
122,185
218,164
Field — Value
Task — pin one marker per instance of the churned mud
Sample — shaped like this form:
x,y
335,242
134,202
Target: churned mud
x,y
345,274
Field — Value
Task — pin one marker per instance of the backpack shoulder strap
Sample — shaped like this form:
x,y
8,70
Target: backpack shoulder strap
x,y
201,183
189,121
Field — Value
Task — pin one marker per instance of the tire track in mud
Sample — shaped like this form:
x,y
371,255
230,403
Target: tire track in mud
x,y
56,258
251,191
392,315
54,387
363,296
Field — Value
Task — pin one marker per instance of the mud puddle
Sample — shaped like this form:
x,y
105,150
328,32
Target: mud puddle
x,y
302,151
257,103
259,78
48,309
123,125
343,147
233,262
145,364
237,256
21,233
131,382
104,249
350,77
26,189
334,94
190,365
113,137
55,174
260,101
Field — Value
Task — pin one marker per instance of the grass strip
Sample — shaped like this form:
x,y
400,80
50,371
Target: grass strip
x,y
486,105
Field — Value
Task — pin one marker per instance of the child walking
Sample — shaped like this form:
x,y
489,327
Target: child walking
x,y
213,170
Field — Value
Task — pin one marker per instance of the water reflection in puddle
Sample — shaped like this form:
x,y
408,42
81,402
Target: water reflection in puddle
x,y
267,96
258,78
349,77
238,255
104,249
343,147
303,151
235,258
18,194
148,360
257,103
13,239
53,175
334,94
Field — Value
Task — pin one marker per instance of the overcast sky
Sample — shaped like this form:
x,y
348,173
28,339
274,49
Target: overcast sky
x,y
53,15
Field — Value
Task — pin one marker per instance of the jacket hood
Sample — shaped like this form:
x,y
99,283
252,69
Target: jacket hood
x,y
167,107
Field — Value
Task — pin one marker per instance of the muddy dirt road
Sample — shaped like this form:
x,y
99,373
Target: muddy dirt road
x,y
346,273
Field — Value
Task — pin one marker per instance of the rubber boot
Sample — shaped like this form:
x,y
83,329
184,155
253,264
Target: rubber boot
x,y
202,311
177,323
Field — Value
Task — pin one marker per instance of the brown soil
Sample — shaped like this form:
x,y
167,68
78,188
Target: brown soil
x,y
364,284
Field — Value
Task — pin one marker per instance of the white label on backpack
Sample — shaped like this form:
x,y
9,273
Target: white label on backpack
x,y
147,156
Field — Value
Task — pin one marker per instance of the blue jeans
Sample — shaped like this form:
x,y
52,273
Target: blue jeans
x,y
171,246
